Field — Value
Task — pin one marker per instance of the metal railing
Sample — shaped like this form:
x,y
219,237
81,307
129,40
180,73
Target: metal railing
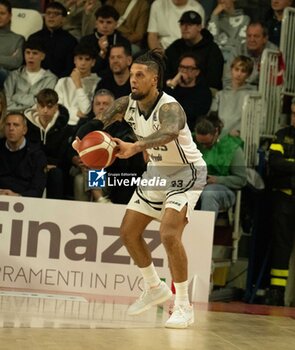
x,y
287,47
250,127
270,88
262,110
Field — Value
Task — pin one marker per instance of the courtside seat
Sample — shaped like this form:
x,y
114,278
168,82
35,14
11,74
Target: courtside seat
x,y
25,21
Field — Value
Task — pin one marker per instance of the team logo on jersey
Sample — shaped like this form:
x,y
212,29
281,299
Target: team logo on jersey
x,y
130,119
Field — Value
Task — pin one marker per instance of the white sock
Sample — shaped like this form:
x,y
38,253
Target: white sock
x,y
181,294
150,276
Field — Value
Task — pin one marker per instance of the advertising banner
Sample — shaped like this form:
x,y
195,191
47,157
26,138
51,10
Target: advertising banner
x,y
72,246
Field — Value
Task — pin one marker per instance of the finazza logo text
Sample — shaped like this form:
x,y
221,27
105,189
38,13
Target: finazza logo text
x,y
36,232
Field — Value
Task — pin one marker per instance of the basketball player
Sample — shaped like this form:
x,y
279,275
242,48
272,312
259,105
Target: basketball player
x,y
159,123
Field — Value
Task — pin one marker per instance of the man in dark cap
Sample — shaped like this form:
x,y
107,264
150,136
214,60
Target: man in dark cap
x,y
164,15
197,40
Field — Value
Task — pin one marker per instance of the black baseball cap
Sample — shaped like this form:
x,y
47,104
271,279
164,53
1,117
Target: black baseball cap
x,y
190,17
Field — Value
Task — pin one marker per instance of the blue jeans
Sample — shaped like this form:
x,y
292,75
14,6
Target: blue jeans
x,y
216,197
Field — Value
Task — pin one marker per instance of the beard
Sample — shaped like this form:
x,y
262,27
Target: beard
x,y
138,96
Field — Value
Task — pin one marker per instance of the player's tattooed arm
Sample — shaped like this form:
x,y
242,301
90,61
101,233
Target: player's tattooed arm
x,y
172,119
116,111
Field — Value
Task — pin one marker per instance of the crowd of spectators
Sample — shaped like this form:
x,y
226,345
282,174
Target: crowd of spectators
x,y
55,84
212,57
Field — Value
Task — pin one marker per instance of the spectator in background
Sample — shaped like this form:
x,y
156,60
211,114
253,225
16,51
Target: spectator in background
x,y
200,42
228,26
104,36
282,182
23,84
22,170
76,13
163,27
11,48
47,126
132,23
225,161
208,6
102,100
76,91
134,26
116,79
59,44
274,18
28,4
3,109
229,101
134,165
190,89
256,42
88,19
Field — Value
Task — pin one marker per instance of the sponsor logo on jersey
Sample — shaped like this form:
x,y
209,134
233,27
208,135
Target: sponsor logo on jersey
x,y
174,203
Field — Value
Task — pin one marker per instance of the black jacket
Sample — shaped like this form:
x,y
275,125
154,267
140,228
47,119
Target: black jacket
x,y
59,46
108,82
102,64
282,160
274,27
210,58
23,171
53,141
196,100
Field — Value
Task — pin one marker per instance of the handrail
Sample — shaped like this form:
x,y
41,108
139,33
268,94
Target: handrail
x,y
250,127
287,47
270,88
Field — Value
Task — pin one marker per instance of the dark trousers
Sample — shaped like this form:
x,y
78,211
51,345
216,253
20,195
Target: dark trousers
x,y
55,187
283,229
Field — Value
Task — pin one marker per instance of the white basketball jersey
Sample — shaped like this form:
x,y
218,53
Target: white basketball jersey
x,y
182,150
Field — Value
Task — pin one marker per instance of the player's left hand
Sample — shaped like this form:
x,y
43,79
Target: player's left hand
x,y
126,149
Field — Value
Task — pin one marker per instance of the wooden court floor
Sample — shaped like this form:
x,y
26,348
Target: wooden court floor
x,y
32,321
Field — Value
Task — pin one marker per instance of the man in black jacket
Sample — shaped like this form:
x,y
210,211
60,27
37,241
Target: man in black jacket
x,y
117,79
199,41
47,126
104,36
58,43
282,181
190,89
22,170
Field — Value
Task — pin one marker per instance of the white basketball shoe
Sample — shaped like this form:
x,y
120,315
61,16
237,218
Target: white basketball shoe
x,y
150,297
182,317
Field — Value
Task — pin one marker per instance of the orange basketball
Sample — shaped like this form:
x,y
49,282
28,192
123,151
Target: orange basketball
x,y
97,150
